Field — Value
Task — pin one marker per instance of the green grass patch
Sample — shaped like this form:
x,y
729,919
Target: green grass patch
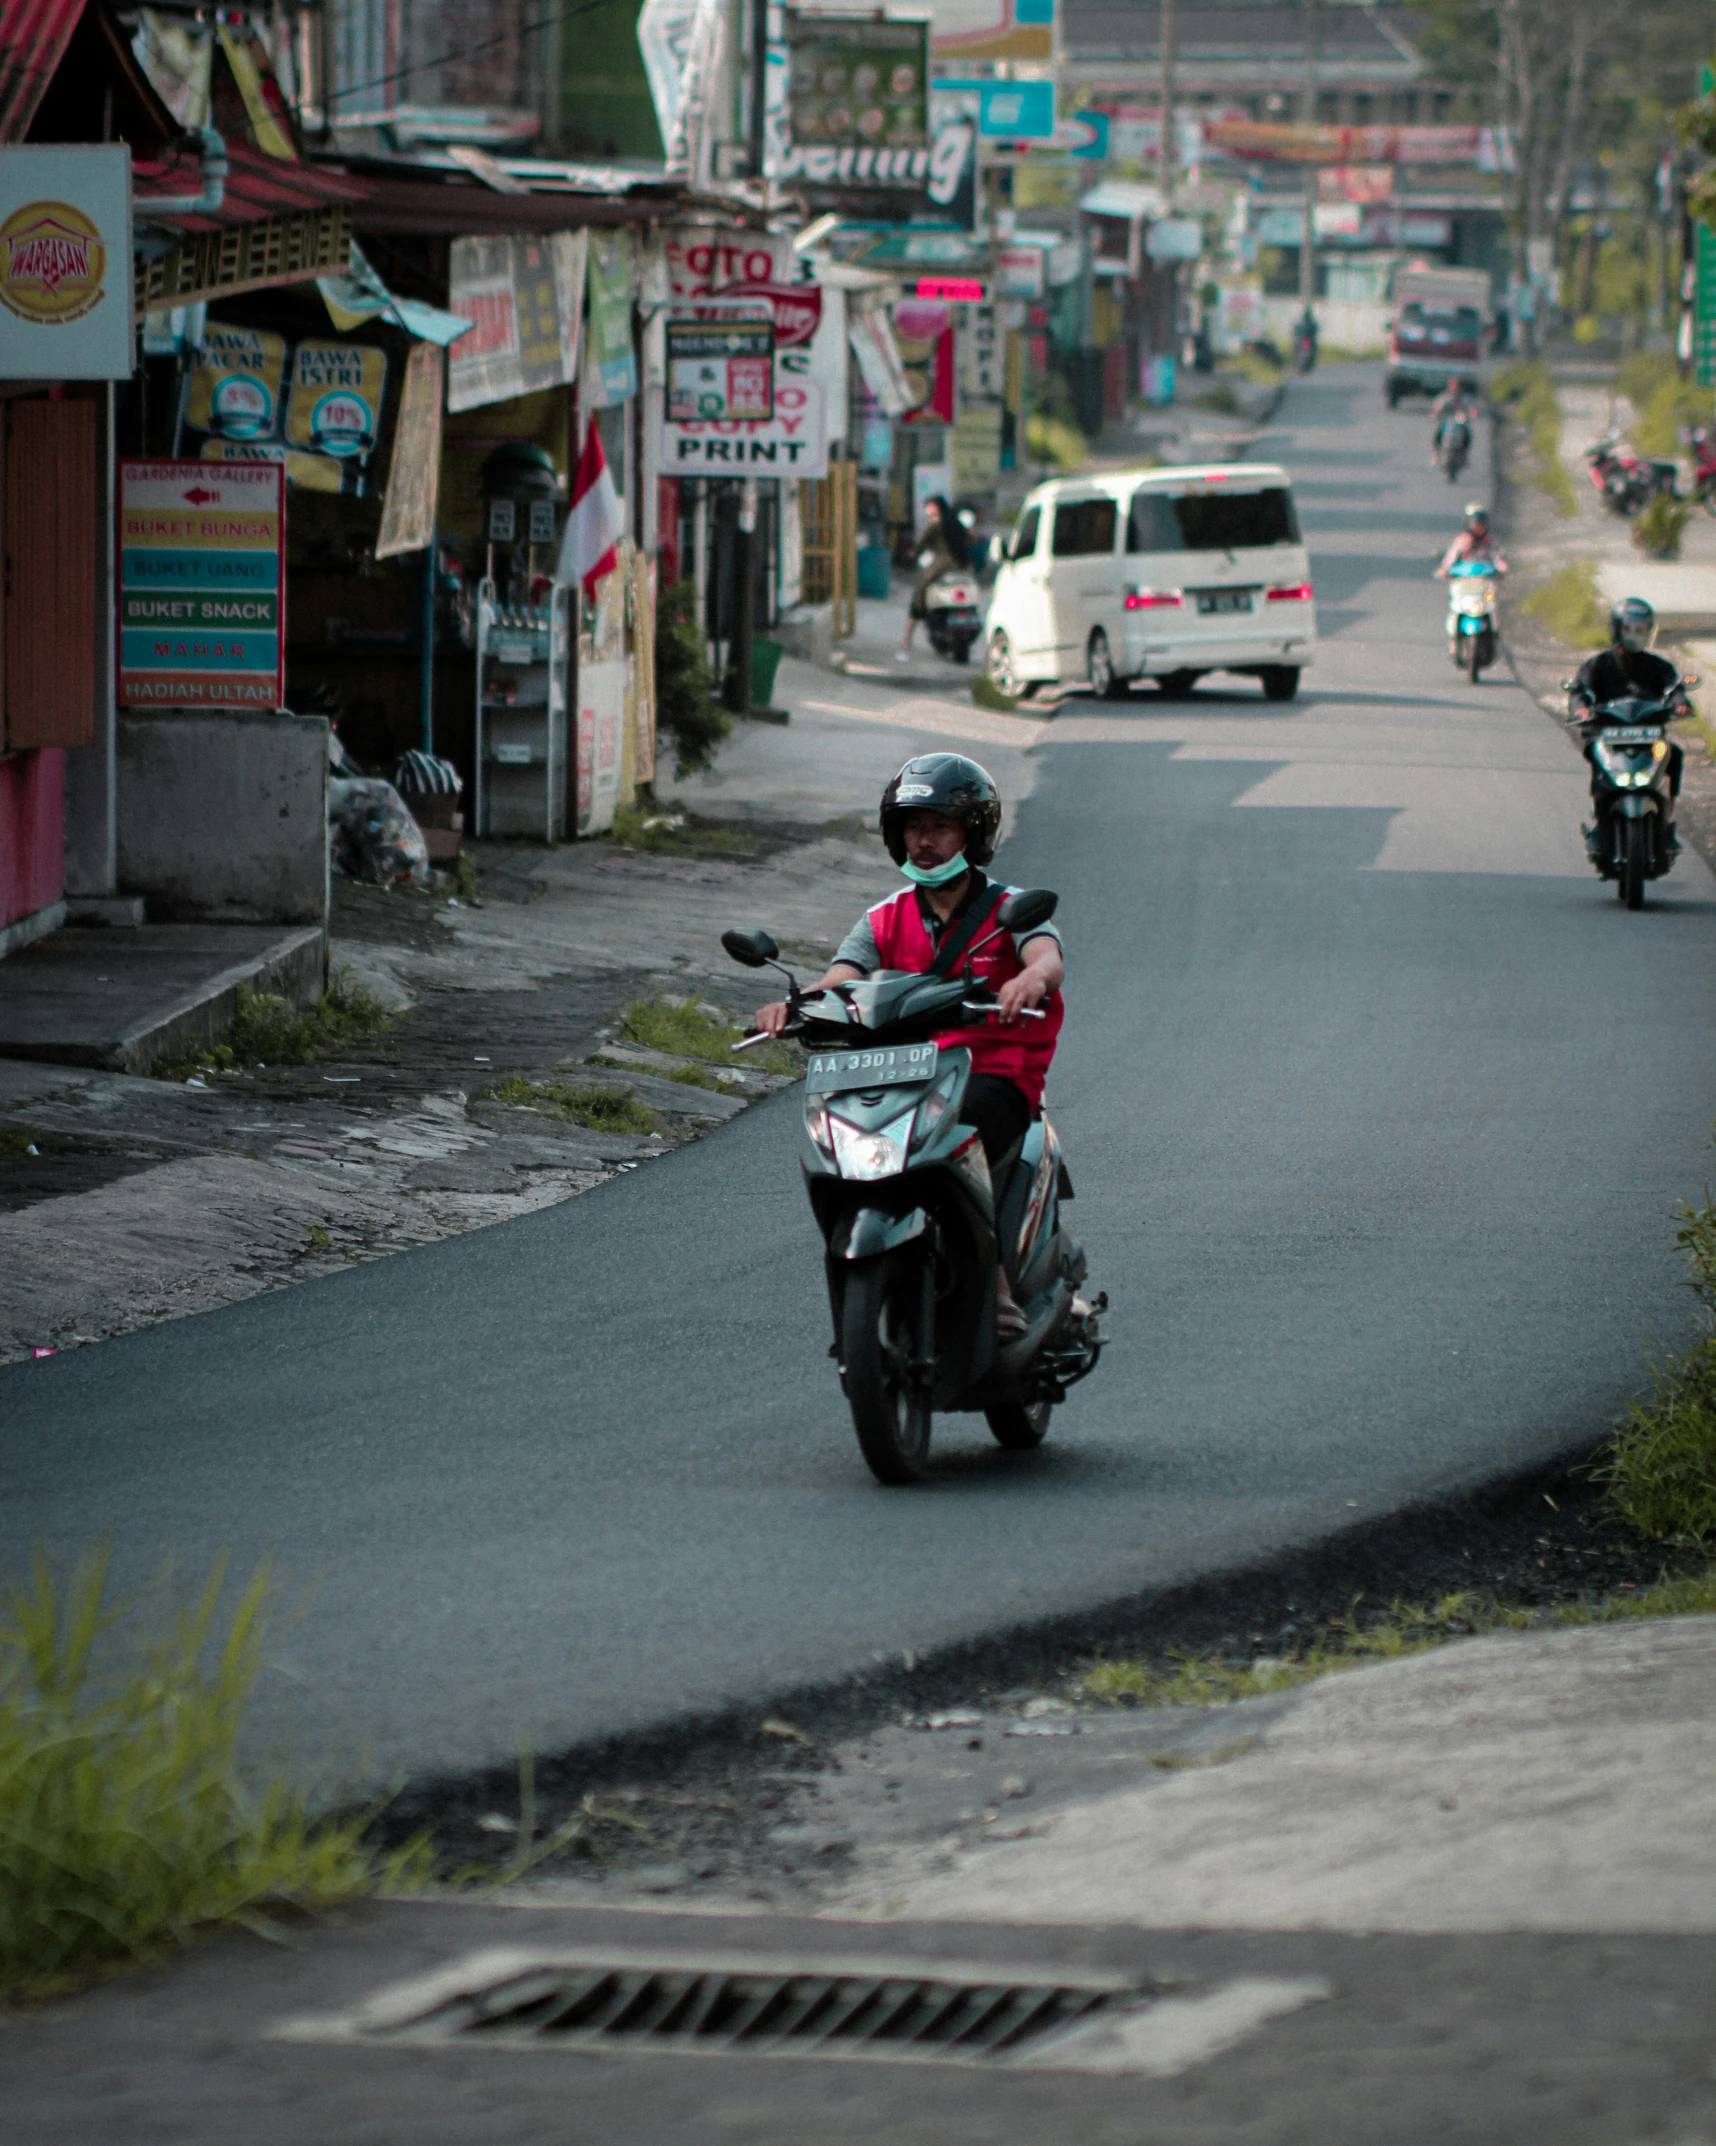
x,y
665,832
1356,1642
1569,605
268,1031
1659,529
19,1140
1659,1470
1222,397
1349,353
985,693
700,1077
603,1110
1525,392
1252,365
126,1825
684,1030
1053,439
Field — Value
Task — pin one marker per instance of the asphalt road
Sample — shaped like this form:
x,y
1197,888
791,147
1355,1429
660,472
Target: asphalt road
x,y
1377,1105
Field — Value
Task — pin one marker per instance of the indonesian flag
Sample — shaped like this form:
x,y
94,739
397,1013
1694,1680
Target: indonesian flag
x,y
595,524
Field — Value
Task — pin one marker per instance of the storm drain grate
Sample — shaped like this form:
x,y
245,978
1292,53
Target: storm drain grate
x,y
894,2010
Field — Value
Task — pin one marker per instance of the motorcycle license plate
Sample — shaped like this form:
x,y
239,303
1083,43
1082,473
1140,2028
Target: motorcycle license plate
x,y
1640,736
885,1067
1224,600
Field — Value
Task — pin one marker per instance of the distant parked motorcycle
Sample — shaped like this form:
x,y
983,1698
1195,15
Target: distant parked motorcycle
x,y
1632,790
1472,615
1305,342
1703,444
1628,482
913,1224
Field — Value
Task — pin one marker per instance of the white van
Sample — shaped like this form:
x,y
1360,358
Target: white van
x,y
1161,574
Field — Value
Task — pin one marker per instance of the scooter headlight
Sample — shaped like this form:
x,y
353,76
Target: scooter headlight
x,y
869,1155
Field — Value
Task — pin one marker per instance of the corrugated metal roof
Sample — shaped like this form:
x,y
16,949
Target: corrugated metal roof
x,y
34,35
256,186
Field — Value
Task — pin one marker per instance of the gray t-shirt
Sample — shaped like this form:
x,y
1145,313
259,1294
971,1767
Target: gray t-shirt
x,y
858,949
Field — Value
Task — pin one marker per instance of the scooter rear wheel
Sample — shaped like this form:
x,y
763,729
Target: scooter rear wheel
x,y
878,1343
1019,1428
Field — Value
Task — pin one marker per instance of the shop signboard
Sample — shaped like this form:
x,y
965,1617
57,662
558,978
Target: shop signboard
x,y
601,741
235,386
1019,271
993,30
1010,111
202,553
524,300
65,263
720,370
792,443
611,374
334,406
851,107
414,474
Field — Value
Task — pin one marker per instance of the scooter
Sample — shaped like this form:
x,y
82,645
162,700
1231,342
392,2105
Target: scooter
x,y
1305,343
952,615
1454,448
914,1225
1472,615
1703,445
1628,482
1632,790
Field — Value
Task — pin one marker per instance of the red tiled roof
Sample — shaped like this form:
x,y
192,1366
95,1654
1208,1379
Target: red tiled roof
x,y
256,186
34,35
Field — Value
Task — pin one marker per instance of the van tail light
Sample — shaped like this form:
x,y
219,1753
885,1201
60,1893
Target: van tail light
x,y
1291,592
1151,599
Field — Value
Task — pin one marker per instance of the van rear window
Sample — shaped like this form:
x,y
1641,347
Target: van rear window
x,y
1211,521
1454,324
1084,526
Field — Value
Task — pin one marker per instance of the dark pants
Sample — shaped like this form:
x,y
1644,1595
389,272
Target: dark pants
x,y
999,1111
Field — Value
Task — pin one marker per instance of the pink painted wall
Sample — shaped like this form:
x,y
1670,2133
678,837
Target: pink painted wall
x,y
32,831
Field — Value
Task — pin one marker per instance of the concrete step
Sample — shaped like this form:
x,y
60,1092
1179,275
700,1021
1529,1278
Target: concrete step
x,y
128,999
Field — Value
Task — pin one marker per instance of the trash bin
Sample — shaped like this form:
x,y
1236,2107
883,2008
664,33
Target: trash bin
x,y
765,661
875,570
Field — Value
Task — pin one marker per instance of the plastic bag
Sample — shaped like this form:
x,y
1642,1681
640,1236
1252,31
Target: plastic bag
x,y
372,835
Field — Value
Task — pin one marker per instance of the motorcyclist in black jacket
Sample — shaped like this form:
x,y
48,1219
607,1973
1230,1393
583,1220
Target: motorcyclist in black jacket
x,y
1627,668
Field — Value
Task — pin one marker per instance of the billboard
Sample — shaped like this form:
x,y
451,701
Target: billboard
x,y
65,263
202,553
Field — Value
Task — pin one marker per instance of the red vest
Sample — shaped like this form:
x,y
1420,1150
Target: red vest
x,y
1021,1053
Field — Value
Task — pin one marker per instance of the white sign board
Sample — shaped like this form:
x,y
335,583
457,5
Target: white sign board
x,y
794,442
65,264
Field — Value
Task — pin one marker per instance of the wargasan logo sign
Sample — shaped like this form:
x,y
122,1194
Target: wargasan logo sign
x,y
65,262
53,263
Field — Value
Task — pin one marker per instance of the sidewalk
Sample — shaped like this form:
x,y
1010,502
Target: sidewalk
x,y
126,1200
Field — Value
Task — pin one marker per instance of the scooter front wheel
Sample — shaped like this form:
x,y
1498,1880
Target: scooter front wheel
x,y
1018,1428
879,1344
1631,884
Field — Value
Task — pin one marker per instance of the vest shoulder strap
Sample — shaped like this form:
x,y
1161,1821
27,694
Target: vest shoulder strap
x,y
960,935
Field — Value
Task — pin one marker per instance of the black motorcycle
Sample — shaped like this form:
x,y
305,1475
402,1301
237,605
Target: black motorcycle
x,y
913,1222
1454,447
1632,790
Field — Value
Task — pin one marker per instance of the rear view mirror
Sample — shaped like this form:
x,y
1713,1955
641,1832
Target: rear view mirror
x,y
753,949
1027,909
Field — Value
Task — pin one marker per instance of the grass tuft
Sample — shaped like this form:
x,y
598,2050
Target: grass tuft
x,y
1659,529
125,1823
685,1030
666,833
985,693
268,1031
603,1110
1526,393
1569,605
1659,1470
1053,439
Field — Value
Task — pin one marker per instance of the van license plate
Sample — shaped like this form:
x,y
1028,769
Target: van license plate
x,y
1225,600
886,1067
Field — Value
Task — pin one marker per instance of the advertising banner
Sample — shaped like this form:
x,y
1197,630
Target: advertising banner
x,y
313,409
993,30
611,374
65,263
414,474
202,554
601,741
720,371
793,443
334,407
524,300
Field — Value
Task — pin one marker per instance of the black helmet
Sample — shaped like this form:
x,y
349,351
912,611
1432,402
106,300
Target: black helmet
x,y
1632,624
950,784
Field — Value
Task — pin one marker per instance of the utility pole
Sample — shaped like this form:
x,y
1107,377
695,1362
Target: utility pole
x,y
1167,142
741,685
1308,251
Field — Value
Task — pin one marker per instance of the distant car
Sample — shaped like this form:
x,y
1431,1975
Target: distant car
x,y
1440,330
1165,574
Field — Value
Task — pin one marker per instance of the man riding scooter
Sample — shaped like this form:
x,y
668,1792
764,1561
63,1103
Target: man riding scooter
x,y
1627,669
1453,405
941,818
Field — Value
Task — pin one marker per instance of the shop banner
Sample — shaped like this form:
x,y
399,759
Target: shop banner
x,y
234,390
879,362
334,407
202,554
601,741
793,443
524,300
716,371
312,409
414,474
65,264
611,367
993,30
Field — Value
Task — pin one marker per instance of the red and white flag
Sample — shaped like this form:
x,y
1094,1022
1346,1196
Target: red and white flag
x,y
596,523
